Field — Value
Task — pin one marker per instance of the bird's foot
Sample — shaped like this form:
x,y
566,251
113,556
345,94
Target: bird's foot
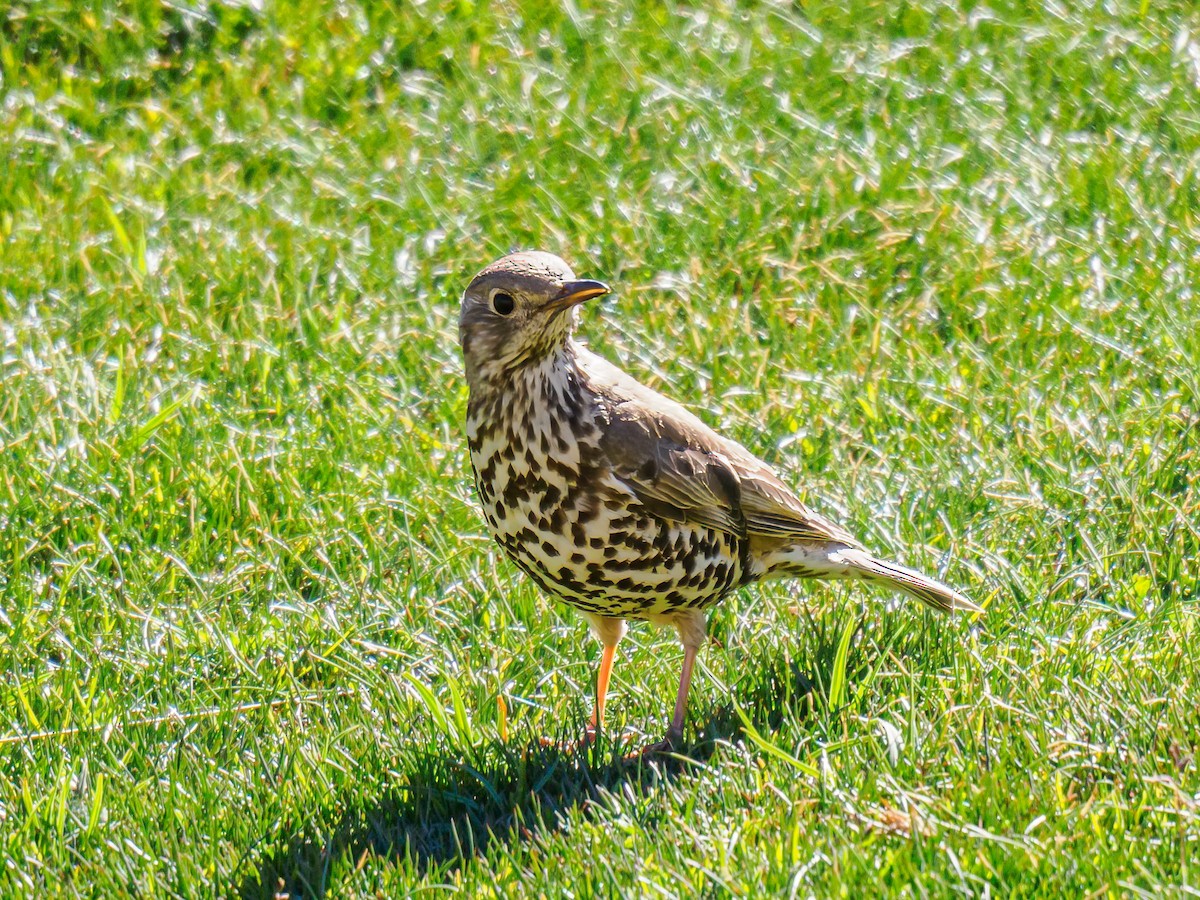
x,y
668,745
576,746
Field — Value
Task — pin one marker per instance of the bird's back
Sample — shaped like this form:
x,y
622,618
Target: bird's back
x,y
653,435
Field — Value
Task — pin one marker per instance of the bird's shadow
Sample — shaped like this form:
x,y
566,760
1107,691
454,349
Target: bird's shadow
x,y
448,808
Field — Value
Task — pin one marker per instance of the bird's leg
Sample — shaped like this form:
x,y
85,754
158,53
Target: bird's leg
x,y
596,722
609,631
675,732
692,626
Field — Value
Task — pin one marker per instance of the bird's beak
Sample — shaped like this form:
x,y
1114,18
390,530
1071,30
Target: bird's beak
x,y
574,292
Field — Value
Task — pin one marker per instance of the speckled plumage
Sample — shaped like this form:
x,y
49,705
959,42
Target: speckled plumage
x,y
561,510
614,498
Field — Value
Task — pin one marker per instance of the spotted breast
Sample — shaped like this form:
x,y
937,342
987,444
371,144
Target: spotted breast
x,y
556,500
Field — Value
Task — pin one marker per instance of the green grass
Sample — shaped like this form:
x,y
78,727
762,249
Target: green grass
x,y
934,261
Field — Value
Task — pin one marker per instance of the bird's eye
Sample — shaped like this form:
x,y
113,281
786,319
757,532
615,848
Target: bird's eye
x,y
503,303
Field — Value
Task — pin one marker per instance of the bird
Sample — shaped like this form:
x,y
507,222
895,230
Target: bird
x,y
614,498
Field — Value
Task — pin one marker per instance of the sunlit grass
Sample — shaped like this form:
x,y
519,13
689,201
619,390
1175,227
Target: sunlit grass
x,y
934,262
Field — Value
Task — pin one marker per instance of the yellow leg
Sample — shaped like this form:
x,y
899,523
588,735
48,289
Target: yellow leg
x,y
606,664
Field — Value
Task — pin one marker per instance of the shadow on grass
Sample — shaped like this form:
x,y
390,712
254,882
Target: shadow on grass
x,y
447,810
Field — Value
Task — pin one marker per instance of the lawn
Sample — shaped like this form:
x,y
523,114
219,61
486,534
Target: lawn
x,y
933,260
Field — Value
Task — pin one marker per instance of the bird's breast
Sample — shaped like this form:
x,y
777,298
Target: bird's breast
x,y
554,504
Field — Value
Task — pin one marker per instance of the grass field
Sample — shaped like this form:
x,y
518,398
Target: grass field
x,y
933,260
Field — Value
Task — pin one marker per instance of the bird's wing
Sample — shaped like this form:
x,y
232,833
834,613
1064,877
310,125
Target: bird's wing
x,y
678,465
671,479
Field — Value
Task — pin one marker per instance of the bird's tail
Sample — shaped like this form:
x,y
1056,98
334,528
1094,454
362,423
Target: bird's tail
x,y
851,562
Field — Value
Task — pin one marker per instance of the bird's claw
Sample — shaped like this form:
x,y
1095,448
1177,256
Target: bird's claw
x,y
668,745
576,746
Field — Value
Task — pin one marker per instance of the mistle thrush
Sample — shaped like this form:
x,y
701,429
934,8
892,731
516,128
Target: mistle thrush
x,y
616,499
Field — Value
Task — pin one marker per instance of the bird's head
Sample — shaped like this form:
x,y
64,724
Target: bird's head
x,y
518,311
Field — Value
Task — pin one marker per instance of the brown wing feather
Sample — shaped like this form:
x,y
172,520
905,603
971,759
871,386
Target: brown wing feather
x,y
672,480
669,457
